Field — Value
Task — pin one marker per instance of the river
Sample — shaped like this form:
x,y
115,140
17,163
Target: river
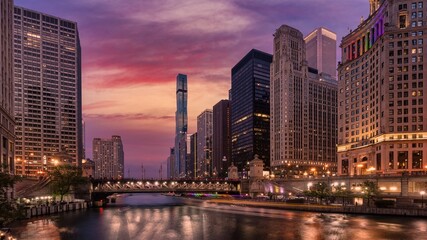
x,y
154,216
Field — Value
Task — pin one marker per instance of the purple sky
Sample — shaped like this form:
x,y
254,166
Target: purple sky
x,y
133,49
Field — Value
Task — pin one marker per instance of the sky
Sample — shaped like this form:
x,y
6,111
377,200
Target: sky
x,y
132,51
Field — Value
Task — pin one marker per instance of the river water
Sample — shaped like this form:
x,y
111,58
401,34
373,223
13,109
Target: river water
x,y
153,216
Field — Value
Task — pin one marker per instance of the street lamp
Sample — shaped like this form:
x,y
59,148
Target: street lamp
x,y
422,198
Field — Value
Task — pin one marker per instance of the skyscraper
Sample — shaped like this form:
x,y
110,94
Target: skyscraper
x,y
250,109
181,126
108,156
321,50
47,78
221,137
170,164
192,159
382,113
7,123
204,144
303,108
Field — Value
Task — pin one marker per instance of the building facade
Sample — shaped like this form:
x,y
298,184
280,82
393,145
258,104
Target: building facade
x,y
250,109
382,117
192,158
204,144
88,168
7,122
181,119
47,78
321,50
221,137
170,171
303,108
108,156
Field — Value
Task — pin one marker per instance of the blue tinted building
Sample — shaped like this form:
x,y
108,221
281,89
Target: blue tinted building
x,y
250,108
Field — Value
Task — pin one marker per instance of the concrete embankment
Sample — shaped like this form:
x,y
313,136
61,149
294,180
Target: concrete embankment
x,y
324,208
37,211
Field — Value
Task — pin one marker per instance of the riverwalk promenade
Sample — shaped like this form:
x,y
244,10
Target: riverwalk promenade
x,y
349,209
40,210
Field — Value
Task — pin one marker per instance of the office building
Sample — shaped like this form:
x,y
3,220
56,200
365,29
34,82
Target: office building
x,y
192,158
181,126
47,78
250,109
204,144
303,108
321,50
108,156
382,114
7,122
221,137
170,164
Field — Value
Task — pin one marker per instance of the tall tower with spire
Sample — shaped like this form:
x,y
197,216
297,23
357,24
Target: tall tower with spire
x,y
181,119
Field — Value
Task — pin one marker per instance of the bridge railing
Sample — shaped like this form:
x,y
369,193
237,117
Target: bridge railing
x,y
174,186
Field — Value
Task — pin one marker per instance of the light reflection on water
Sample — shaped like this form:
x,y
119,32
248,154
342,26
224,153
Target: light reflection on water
x,y
153,216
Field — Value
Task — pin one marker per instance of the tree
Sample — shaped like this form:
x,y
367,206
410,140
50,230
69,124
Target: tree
x,y
319,190
64,178
9,211
342,192
370,190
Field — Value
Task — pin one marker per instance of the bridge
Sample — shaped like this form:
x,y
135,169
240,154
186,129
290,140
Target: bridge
x,y
101,190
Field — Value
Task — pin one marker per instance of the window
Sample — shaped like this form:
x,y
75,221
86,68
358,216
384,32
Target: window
x,y
414,5
420,14
420,23
417,159
420,4
378,161
402,21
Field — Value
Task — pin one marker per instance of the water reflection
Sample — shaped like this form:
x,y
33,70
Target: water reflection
x,y
151,216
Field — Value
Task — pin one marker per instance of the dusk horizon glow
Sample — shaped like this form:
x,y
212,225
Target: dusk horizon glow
x,y
133,50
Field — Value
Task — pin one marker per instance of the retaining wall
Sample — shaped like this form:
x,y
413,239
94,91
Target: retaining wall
x,y
53,209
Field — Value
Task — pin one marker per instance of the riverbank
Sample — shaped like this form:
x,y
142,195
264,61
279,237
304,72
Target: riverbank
x,y
41,210
322,208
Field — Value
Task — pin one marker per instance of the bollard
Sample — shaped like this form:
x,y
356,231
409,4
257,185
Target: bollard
x,y
28,212
33,212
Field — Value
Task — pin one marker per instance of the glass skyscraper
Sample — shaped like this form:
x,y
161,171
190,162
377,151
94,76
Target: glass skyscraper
x,y
250,108
181,119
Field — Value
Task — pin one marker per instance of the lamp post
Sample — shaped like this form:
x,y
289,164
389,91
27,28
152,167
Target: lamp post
x,y
422,198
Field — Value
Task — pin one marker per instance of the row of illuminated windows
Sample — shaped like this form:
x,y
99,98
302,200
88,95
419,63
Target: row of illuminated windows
x,y
401,52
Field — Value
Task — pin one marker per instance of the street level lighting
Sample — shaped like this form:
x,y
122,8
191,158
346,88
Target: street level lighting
x,y
422,198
